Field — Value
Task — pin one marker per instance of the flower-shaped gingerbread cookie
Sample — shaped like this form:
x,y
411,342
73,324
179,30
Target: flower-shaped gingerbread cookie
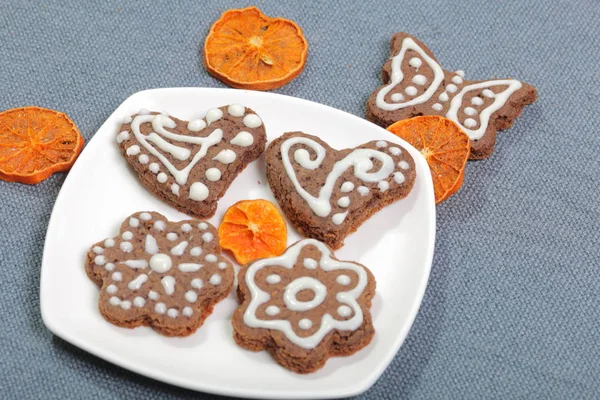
x,y
166,275
304,306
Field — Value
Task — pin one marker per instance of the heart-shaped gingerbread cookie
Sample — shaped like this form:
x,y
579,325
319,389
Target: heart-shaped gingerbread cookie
x,y
326,193
191,164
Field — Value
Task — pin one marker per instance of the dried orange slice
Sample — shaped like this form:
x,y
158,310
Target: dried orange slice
x,y
445,147
253,229
248,50
35,143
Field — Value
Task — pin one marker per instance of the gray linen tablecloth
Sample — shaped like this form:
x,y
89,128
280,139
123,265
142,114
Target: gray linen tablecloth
x,y
512,307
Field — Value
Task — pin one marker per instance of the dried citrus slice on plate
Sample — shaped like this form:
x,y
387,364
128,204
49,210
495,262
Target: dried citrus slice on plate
x,y
445,147
253,229
35,143
248,50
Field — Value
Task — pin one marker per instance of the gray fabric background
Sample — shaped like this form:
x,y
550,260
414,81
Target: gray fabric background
x,y
511,310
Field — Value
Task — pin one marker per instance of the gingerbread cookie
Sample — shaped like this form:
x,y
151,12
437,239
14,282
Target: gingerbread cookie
x,y
166,275
191,164
304,306
415,84
327,194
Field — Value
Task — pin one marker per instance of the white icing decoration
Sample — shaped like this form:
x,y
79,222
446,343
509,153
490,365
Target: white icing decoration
x,y
327,323
196,251
215,279
154,167
437,107
168,284
136,264
411,90
213,115
179,153
395,151
144,111
164,113
139,301
186,228
397,97
145,216
274,278
419,80
160,225
225,156
347,187
127,119
451,88
160,308
359,159
210,257
344,201
190,296
383,186
175,189
470,111
109,266
196,283
399,178
236,110
470,123
160,263
213,174
363,190
187,311
127,235
415,62
207,237
222,265
179,249
444,97
404,165
100,260
344,311
343,280
381,144
189,267
457,79
137,283
299,284
310,263
499,100
162,177
477,101
172,236
252,121
198,191
134,222
126,247
109,243
202,225
305,323
460,73
159,123
152,295
117,276
143,159
196,125
272,310
243,139
133,150
339,218
115,301
126,305
111,289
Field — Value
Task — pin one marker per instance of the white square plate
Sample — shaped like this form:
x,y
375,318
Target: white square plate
x,y
101,190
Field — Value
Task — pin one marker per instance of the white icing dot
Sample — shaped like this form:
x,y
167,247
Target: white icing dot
x,y
226,156
126,247
111,289
133,150
143,159
187,311
202,225
160,225
152,295
310,263
109,243
213,174
470,111
395,151
144,111
139,301
252,121
137,283
162,177
488,93
344,201
305,323
363,190
437,107
243,139
343,280
207,237
161,263
236,110
460,73
172,236
210,258
196,251
404,165
339,218
196,125
154,167
127,119
168,284
134,222
115,301
198,191
222,265
215,279
100,260
397,97
189,267
213,115
477,101
347,187
419,80
470,123
109,266
457,79
117,276
190,296
399,178
411,90
383,186
197,283
175,189
145,216
415,62
126,305
160,308
344,311
444,97
127,235
164,113
186,228
272,310
451,88
274,278
381,144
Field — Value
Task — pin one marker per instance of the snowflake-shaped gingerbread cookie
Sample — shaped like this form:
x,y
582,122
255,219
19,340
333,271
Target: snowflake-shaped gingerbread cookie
x,y
162,274
304,306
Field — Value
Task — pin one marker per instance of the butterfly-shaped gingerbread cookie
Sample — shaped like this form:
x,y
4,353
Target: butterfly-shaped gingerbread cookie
x,y
162,274
191,164
415,84
326,193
